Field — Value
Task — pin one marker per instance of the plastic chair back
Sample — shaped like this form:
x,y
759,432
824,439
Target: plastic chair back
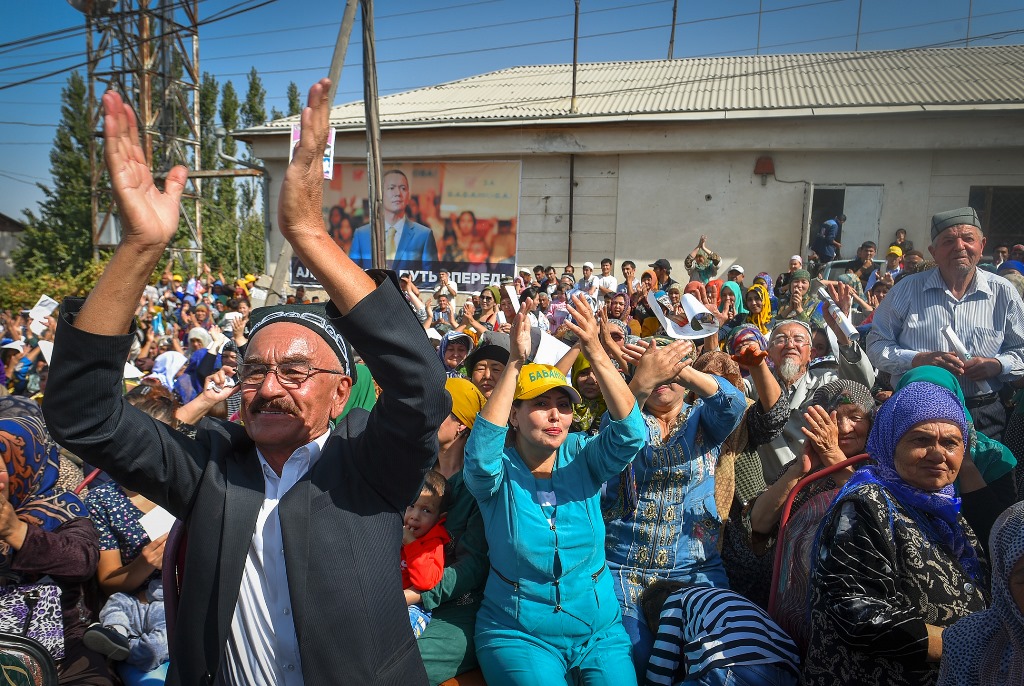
x,y
786,511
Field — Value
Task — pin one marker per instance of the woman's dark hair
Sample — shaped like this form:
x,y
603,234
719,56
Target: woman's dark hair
x,y
470,213
527,293
156,401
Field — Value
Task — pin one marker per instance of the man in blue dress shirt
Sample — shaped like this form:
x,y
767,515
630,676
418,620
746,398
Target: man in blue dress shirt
x,y
984,310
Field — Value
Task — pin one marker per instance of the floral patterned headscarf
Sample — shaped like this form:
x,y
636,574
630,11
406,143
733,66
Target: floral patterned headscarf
x,y
32,459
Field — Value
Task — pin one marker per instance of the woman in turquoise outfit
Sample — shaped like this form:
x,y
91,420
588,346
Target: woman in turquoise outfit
x,y
549,613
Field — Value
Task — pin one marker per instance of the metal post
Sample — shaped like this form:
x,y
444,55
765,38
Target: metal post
x,y
672,35
341,48
373,136
284,258
970,13
860,12
573,105
760,13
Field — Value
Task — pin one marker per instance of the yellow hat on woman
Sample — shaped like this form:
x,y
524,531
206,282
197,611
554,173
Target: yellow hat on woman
x,y
537,379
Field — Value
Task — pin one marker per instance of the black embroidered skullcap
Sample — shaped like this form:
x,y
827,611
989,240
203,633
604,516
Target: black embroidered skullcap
x,y
313,317
950,218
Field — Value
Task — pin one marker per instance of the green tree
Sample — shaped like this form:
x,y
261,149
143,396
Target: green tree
x,y
209,91
227,194
59,239
254,110
294,99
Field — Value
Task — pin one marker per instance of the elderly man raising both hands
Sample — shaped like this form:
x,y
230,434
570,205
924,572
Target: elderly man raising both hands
x,y
983,309
789,349
293,529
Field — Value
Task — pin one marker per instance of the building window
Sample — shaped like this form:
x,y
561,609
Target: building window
x,y
1001,210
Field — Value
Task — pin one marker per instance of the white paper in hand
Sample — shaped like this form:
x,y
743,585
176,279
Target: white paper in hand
x,y
513,297
43,308
672,329
550,350
157,522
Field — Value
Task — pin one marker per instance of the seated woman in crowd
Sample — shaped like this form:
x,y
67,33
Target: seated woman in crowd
x,y
131,625
446,645
486,317
838,423
487,361
759,311
660,511
800,303
895,563
986,480
549,606
987,648
455,346
46,542
738,474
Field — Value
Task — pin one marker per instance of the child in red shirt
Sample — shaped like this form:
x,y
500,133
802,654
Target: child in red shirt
x,y
423,542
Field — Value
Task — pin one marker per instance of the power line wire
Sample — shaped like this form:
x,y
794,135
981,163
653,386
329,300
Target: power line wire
x,y
631,6
219,17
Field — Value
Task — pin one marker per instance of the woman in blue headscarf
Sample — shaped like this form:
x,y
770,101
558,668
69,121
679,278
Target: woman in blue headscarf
x,y
895,562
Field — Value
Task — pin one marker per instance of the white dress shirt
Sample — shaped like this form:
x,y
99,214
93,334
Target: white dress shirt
x,y
262,648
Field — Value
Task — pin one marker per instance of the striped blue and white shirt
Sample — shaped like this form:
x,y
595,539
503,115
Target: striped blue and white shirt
x,y
989,319
704,628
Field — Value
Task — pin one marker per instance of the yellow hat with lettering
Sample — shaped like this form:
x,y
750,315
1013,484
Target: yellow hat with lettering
x,y
537,379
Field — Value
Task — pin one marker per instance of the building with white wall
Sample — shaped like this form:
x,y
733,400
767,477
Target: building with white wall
x,y
657,153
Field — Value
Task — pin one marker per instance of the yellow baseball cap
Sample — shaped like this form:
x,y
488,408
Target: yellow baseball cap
x,y
895,250
537,379
177,277
467,401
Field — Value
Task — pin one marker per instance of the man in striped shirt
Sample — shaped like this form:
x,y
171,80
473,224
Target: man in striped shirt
x,y
984,310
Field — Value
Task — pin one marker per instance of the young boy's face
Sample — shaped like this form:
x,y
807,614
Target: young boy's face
x,y
421,516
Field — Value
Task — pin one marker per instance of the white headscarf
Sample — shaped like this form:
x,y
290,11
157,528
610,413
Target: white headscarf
x,y
987,648
166,367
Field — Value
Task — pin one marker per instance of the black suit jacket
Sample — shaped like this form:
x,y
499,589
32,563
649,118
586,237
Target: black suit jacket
x,y
341,523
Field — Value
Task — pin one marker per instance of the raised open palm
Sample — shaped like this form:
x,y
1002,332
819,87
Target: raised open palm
x,y
149,216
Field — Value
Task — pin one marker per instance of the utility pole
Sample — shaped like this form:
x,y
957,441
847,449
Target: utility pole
x,y
970,13
760,13
672,35
284,258
148,52
372,116
573,105
860,13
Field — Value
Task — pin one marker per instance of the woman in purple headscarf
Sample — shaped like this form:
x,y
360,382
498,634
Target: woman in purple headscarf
x,y
895,562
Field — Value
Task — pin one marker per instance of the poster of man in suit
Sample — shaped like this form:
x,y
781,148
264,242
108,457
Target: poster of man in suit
x,y
461,217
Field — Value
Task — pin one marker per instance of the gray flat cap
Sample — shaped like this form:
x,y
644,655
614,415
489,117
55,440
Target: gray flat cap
x,y
950,218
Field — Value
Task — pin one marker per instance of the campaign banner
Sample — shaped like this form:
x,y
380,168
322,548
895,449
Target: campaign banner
x,y
461,217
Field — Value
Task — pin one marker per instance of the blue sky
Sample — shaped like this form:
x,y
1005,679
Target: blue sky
x,y
424,42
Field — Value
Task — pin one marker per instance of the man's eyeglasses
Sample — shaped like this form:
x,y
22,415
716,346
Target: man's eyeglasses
x,y
288,374
798,341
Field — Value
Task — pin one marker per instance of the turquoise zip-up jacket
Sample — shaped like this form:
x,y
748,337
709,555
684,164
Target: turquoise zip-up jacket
x,y
537,566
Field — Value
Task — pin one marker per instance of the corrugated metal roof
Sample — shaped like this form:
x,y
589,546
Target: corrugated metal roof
x,y
608,91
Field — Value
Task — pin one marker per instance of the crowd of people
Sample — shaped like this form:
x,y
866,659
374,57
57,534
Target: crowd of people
x,y
770,480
